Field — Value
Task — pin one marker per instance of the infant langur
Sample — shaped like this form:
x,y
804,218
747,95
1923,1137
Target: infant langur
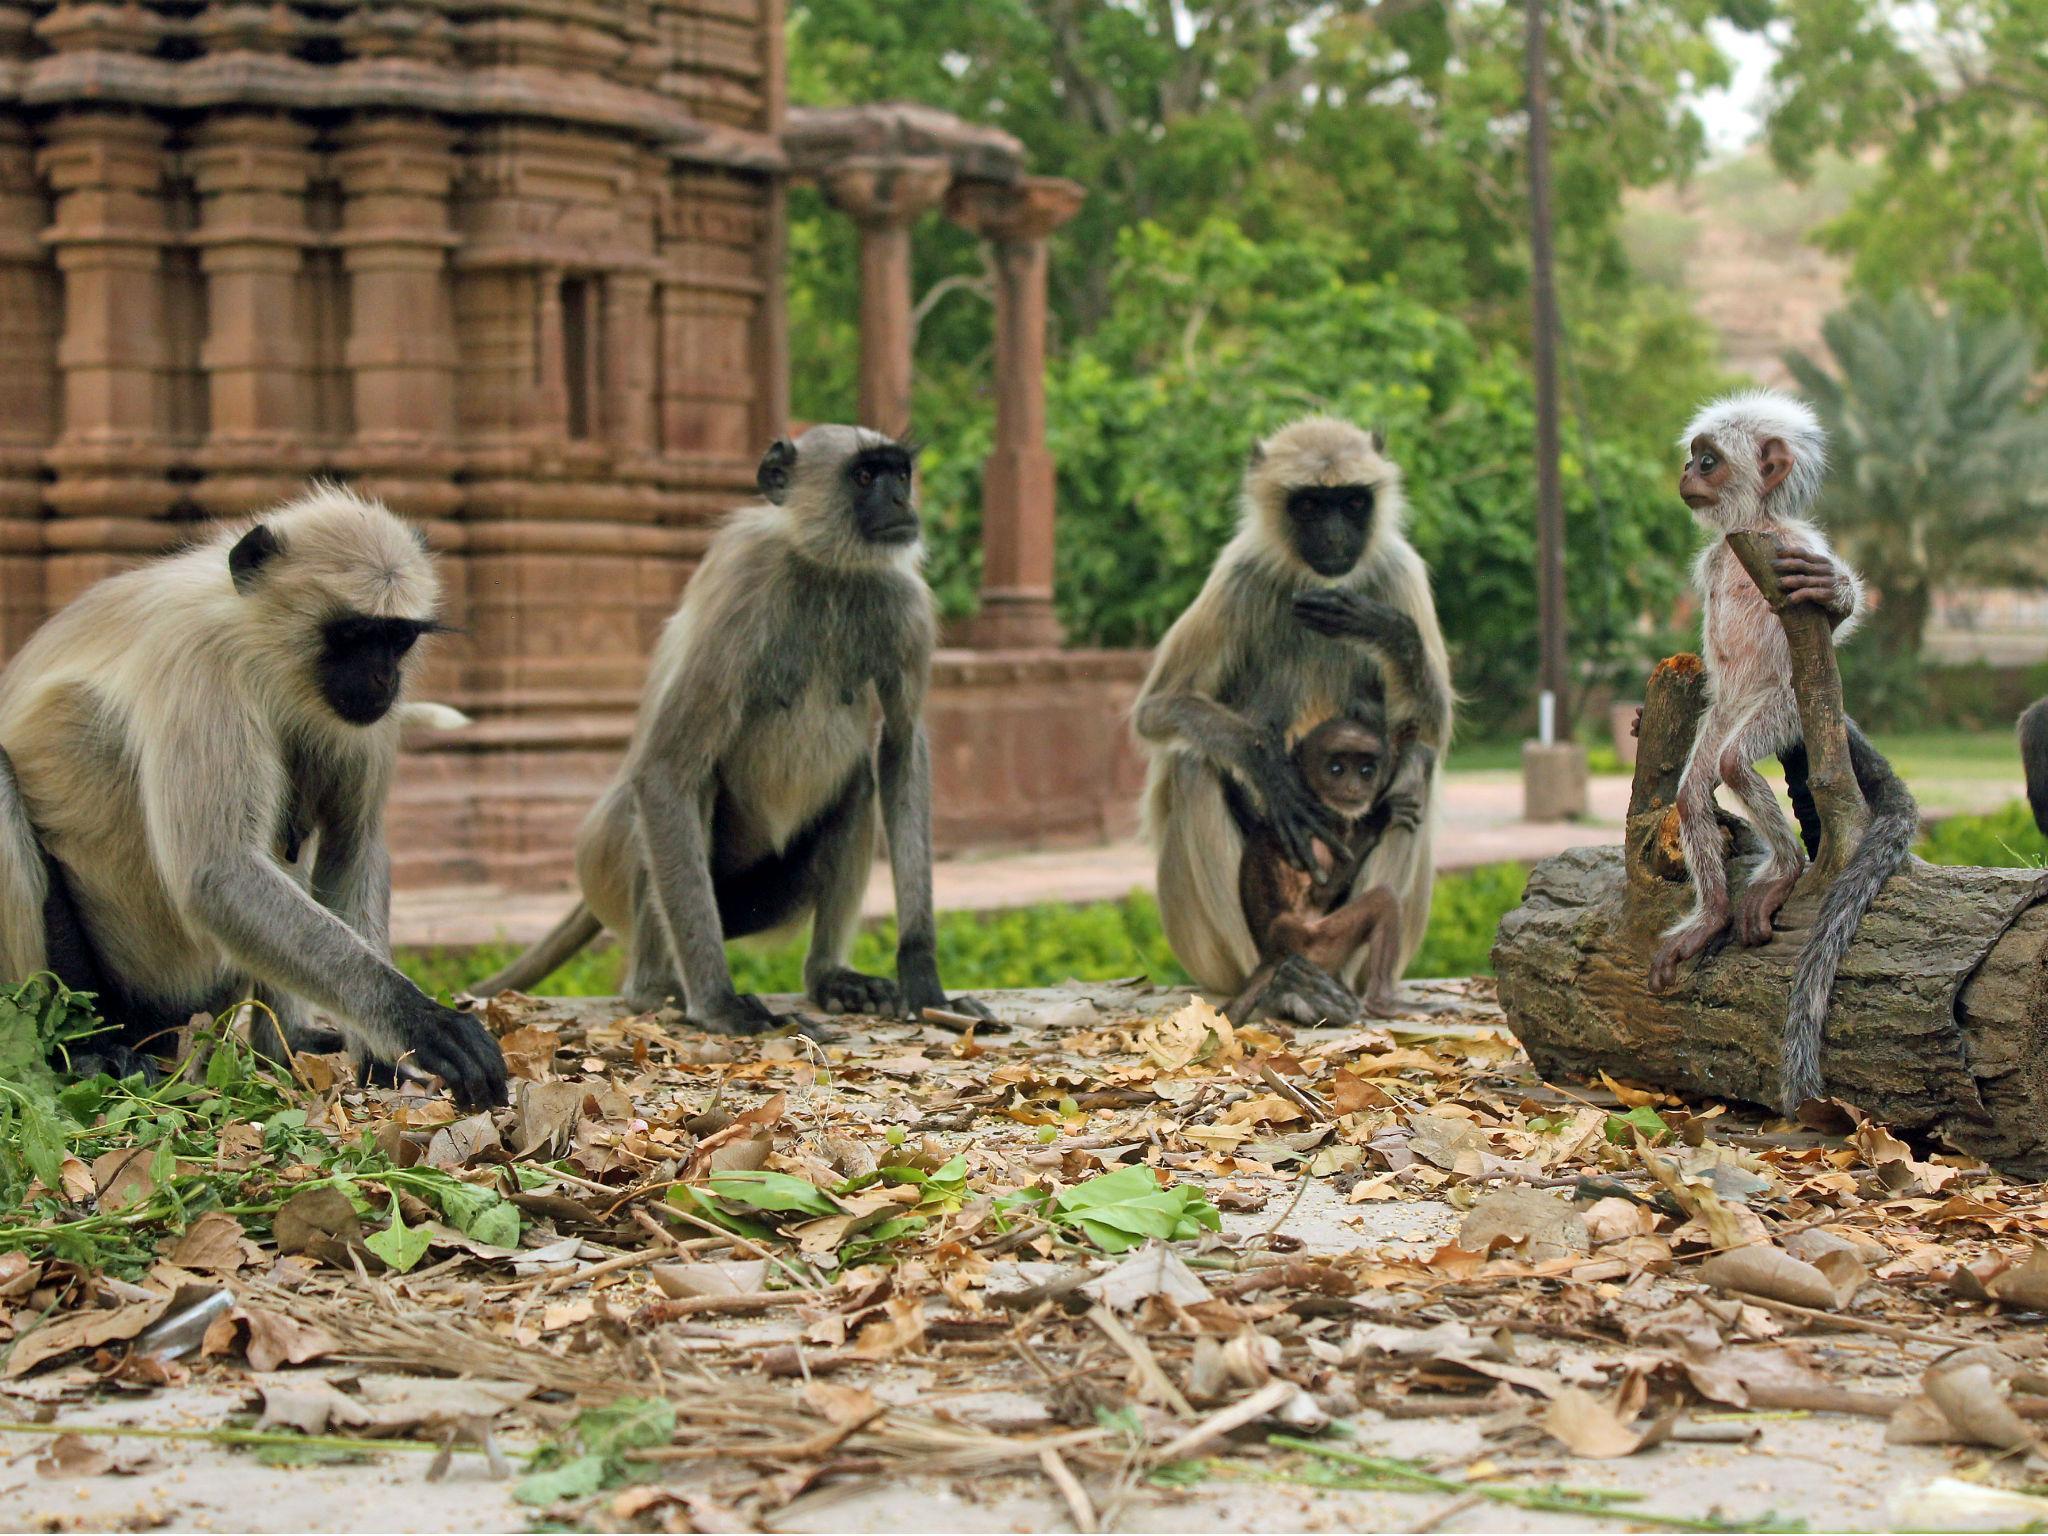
x,y
1754,462
1309,924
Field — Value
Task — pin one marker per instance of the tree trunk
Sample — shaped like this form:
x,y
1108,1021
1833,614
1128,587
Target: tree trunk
x,y
1939,1015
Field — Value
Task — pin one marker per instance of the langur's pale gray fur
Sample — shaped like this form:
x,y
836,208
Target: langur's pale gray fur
x,y
783,710
1240,677
217,824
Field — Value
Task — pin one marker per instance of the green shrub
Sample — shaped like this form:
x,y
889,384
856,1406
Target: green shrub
x,y
1025,947
2006,839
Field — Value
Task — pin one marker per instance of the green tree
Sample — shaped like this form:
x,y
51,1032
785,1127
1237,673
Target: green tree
x,y
1940,463
1953,97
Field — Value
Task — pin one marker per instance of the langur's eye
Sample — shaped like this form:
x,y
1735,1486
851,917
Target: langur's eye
x,y
1336,770
863,478
1709,462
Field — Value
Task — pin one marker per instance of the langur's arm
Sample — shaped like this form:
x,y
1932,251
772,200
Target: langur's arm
x,y
673,781
352,870
904,768
1418,686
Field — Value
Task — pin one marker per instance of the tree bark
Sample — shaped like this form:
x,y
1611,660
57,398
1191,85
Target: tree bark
x,y
1939,1018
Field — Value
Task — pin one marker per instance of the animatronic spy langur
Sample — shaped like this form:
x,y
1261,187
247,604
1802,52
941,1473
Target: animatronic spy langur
x,y
198,753
1755,462
747,798
1317,608
1309,924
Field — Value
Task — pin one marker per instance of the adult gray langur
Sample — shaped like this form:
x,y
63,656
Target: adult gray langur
x,y
196,758
1318,607
785,698
2033,734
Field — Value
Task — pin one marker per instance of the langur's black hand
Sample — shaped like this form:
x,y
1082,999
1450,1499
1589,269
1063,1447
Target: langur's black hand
x,y
1296,816
1807,577
736,1013
1338,611
1306,993
456,1048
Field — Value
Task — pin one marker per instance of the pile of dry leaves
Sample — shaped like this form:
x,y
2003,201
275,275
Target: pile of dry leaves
x,y
687,1282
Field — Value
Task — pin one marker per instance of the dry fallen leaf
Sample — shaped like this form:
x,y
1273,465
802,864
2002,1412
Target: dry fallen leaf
x,y
1533,1225
1762,1269
214,1243
1586,1426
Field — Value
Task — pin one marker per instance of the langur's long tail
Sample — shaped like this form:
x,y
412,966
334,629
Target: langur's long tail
x,y
2034,758
539,962
1894,819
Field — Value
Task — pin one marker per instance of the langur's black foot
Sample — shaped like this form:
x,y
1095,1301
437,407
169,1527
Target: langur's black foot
x,y
737,1013
318,1042
844,990
1307,994
373,1073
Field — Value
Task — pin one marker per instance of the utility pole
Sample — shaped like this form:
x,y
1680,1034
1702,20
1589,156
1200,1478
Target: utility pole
x,y
1553,766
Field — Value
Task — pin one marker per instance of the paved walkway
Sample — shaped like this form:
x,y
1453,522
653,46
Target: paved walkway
x,y
1481,824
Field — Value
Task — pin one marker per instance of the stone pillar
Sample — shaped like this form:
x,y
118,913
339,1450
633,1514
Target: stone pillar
x,y
112,461
631,334
28,384
885,195
1018,482
395,178
251,171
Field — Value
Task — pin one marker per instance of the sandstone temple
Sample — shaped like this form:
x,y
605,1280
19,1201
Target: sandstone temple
x,y
516,268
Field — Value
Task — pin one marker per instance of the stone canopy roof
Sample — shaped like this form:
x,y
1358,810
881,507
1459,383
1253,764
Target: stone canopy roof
x,y
817,138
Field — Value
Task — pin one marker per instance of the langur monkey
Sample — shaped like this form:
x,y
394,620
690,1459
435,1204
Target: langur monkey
x,y
787,690
1318,608
196,755
2033,731
1755,461
1309,924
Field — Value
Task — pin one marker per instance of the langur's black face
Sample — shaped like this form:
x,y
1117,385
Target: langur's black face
x,y
878,482
1330,525
362,663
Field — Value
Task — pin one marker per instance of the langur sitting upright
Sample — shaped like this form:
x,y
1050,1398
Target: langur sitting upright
x,y
197,755
2033,732
1309,924
1755,462
1318,608
788,688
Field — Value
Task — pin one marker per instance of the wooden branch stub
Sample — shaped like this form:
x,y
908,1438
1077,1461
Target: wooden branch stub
x,y
1817,685
1673,701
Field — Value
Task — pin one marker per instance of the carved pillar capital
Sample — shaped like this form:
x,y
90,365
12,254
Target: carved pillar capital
x,y
885,195
1014,212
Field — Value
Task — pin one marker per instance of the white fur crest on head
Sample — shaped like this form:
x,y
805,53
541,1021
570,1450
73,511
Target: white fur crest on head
x,y
1757,414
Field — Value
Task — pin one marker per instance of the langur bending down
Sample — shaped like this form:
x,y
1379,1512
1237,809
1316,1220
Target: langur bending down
x,y
1309,925
1318,608
785,698
197,754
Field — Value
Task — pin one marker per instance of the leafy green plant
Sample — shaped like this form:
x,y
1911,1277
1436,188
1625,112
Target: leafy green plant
x,y
599,1452
1117,1211
2003,839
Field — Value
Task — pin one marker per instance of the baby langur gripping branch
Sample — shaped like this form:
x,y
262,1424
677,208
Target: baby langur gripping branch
x,y
786,696
197,754
1310,923
1754,461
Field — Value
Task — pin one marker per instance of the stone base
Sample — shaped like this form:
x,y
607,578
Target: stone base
x,y
1030,748
1553,781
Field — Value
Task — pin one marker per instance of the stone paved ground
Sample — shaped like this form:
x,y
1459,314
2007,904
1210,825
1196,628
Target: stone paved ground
x,y
1481,825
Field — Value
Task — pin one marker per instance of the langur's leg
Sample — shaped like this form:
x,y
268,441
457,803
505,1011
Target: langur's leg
x,y
1200,849
1769,887
1405,860
1370,921
1246,1005
651,980
1699,832
24,887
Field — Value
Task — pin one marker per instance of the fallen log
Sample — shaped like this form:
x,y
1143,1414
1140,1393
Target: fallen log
x,y
1939,1017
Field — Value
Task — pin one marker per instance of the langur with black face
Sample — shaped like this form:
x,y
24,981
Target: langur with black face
x,y
1318,608
1755,462
196,759
785,698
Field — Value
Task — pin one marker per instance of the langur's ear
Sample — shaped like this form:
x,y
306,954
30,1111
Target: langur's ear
x,y
1773,463
253,550
1377,436
1256,457
778,464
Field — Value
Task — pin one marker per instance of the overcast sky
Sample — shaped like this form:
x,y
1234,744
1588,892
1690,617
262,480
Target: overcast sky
x,y
1734,113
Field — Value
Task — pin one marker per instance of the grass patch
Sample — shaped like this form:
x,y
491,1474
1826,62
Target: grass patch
x,y
2006,839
